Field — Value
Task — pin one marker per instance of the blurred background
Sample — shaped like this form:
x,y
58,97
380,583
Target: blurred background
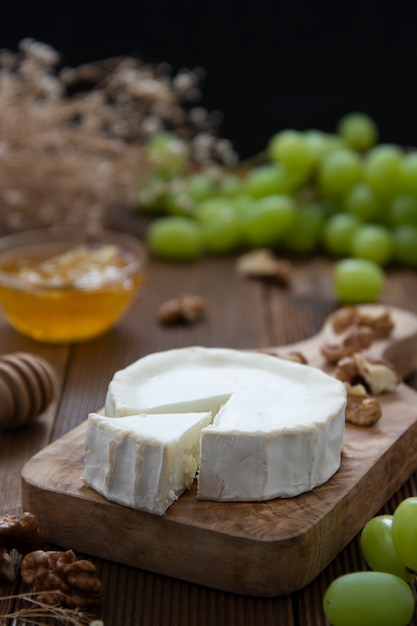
x,y
269,65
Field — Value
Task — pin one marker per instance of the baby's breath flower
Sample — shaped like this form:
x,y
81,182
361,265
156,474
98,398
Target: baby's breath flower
x,y
72,137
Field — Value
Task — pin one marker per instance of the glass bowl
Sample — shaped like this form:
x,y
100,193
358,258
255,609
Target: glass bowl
x,y
63,285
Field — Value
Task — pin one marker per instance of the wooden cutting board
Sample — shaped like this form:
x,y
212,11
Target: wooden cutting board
x,y
263,549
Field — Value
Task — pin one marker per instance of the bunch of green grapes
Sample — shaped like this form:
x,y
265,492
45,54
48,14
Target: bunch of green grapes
x,y
341,194
382,596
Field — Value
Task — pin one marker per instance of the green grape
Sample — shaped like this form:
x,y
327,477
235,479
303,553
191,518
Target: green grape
x,y
304,235
266,180
378,548
333,142
338,232
221,228
178,202
317,143
175,238
338,172
382,170
242,201
358,281
320,143
358,130
206,208
373,242
329,207
152,194
405,245
408,174
212,181
404,532
200,186
291,148
369,599
362,202
267,220
229,185
403,210
167,153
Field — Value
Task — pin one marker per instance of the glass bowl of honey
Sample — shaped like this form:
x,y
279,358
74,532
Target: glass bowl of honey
x,y
62,285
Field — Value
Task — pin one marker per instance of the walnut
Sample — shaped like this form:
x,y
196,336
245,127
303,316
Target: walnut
x,y
185,308
361,409
359,338
347,371
72,582
377,375
23,534
7,571
344,318
296,357
264,264
380,321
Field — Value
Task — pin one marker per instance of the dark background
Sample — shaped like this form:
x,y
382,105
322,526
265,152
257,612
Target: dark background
x,y
270,65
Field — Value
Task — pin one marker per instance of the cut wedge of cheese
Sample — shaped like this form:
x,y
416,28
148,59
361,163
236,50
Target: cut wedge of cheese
x,y
143,462
276,428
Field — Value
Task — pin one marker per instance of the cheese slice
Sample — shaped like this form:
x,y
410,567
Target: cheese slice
x,y
277,428
143,462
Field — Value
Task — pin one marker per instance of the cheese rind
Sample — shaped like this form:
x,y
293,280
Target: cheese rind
x,y
278,426
283,462
143,461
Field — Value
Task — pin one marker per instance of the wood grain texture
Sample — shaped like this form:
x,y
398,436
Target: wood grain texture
x,y
241,314
245,547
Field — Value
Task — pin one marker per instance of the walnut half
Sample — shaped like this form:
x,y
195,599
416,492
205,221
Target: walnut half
x,y
357,339
378,376
186,308
380,321
361,409
263,264
21,534
7,570
293,355
72,582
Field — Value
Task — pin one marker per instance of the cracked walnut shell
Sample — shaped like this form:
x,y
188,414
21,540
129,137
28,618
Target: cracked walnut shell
x,y
72,582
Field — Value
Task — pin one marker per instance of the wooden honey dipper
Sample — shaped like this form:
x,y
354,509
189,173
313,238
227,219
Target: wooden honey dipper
x,y
26,388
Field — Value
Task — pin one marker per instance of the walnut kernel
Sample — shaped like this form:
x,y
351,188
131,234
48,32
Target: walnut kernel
x,y
294,356
358,338
265,265
380,321
361,409
21,534
7,570
72,582
186,308
377,375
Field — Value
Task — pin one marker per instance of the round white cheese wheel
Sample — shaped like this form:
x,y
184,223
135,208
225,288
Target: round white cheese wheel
x,y
277,428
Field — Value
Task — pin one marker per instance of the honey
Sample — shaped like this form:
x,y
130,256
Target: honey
x,y
72,295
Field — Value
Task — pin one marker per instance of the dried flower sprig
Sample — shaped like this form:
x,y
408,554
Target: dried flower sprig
x,y
38,610
71,138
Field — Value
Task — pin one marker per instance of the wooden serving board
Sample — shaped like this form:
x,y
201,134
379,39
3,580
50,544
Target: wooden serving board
x,y
264,548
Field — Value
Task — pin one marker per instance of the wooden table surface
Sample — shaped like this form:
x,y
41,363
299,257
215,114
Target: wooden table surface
x,y
241,314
